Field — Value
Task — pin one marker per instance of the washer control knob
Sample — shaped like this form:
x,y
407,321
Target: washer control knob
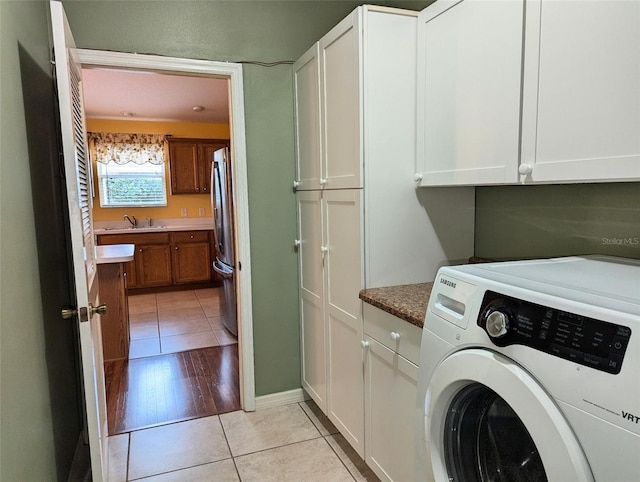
x,y
497,324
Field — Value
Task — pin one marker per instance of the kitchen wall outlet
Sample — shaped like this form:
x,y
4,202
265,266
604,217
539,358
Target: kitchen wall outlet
x,y
201,212
183,212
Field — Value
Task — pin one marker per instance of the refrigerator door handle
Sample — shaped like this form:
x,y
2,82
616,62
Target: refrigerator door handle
x,y
222,272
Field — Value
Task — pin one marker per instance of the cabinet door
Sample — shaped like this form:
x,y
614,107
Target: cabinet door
x,y
153,265
469,79
306,83
343,312
115,324
191,262
581,99
183,158
341,72
390,402
312,325
205,162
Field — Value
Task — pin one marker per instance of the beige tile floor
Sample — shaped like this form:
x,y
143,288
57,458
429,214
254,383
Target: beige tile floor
x,y
175,321
294,442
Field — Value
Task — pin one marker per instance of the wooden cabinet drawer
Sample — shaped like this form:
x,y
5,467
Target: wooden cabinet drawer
x,y
134,238
190,237
384,327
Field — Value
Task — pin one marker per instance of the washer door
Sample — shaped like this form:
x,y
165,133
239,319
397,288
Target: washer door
x,y
487,419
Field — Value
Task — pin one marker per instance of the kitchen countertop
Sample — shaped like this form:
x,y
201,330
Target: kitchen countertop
x,y
407,302
158,225
152,229
114,253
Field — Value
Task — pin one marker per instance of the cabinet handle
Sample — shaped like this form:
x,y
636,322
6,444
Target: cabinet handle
x,y
417,177
525,169
364,344
296,243
395,336
324,249
295,184
323,181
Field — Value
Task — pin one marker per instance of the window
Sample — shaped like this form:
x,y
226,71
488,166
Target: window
x,y
131,169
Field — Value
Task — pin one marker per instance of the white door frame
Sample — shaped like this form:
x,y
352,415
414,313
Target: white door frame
x,y
232,71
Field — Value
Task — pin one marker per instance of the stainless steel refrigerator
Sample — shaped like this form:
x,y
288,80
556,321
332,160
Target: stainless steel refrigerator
x,y
225,262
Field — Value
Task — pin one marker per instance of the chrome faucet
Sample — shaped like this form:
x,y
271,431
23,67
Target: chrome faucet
x,y
133,222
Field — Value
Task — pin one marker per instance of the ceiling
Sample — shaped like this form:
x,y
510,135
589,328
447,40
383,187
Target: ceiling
x,y
109,94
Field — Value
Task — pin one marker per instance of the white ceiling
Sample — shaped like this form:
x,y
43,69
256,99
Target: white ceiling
x,y
154,96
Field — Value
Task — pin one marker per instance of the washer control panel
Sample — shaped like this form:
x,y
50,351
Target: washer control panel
x,y
594,343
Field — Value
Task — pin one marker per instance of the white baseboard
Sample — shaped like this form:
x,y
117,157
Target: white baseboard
x,y
281,398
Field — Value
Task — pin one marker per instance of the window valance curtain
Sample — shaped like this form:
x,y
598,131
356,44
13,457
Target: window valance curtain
x,y
125,148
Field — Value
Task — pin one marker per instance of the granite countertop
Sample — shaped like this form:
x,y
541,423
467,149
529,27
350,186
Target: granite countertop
x,y
114,253
407,302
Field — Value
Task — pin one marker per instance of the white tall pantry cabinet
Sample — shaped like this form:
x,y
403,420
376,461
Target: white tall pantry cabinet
x,y
362,222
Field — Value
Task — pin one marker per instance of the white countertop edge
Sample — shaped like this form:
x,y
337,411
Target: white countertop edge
x,y
156,229
114,253
158,225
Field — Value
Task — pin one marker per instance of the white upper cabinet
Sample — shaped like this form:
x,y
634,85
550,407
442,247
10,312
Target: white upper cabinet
x,y
581,91
328,97
306,78
341,95
557,101
469,79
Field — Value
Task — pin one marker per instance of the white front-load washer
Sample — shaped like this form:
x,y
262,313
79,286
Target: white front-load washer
x,y
530,371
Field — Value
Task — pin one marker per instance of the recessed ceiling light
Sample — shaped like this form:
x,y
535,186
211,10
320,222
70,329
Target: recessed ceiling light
x,y
197,108
127,114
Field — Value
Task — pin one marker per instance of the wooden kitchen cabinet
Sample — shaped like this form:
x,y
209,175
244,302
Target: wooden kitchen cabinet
x,y
392,354
153,265
115,323
167,258
190,164
191,257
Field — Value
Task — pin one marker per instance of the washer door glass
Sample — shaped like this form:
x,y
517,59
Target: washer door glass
x,y
485,440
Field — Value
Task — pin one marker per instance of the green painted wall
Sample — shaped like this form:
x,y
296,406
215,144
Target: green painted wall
x,y
545,221
239,31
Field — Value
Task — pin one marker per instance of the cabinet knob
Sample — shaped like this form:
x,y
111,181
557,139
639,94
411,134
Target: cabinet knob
x,y
525,169
204,188
417,177
140,250
296,243
191,236
295,184
324,249
176,248
395,336
197,189
364,344
323,181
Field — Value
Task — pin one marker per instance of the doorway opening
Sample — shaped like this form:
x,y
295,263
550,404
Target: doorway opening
x,y
93,59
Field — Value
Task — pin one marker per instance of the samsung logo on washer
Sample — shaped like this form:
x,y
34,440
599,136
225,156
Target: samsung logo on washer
x,y
448,283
